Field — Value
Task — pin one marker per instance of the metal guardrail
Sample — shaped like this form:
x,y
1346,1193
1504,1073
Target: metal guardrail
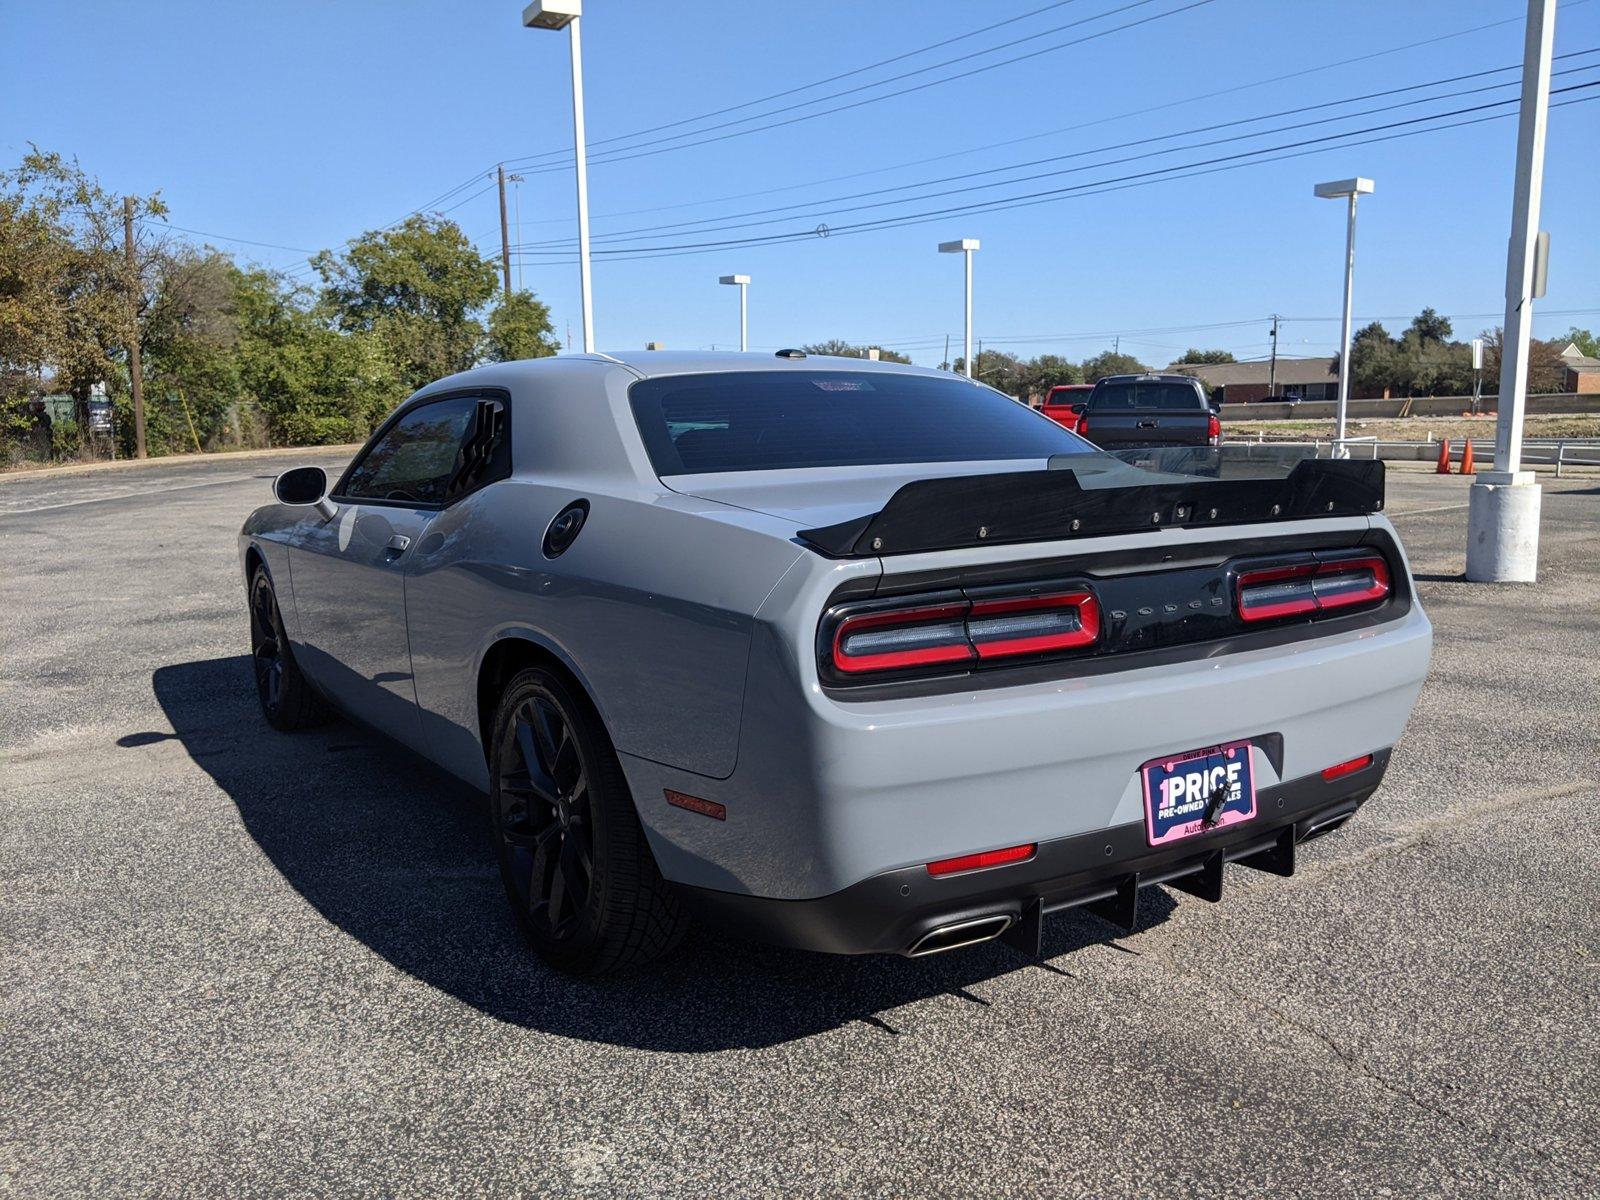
x,y
1557,452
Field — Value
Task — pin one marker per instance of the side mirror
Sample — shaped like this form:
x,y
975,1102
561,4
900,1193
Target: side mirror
x,y
1078,409
303,486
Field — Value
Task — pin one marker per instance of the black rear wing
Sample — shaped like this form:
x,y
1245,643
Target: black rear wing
x,y
1039,506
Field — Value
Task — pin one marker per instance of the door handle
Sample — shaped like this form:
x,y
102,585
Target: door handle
x,y
1148,424
398,545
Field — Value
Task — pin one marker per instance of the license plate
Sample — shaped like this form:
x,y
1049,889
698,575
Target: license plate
x,y
1197,791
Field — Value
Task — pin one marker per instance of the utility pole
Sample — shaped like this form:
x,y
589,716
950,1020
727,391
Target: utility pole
x,y
1503,504
947,352
135,374
1272,367
505,237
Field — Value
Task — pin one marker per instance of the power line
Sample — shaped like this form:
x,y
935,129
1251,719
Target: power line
x,y
816,207
1295,75
1095,187
625,157
638,133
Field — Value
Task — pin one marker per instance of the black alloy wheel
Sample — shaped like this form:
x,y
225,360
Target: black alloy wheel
x,y
583,886
287,699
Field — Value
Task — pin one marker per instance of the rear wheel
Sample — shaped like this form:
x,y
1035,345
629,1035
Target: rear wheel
x,y
287,699
582,884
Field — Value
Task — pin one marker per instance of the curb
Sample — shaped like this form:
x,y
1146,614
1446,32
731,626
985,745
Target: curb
x,y
132,464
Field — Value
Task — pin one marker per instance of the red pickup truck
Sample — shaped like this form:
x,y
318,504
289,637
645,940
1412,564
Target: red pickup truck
x,y
1064,403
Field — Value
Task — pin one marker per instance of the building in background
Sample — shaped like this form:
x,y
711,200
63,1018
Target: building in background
x,y
1580,372
1247,382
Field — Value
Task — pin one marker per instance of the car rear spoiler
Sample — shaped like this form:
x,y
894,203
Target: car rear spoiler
x,y
1037,506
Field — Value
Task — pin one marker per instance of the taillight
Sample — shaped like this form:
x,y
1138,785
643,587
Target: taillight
x,y
964,631
1320,585
1214,430
1083,425
1033,624
910,637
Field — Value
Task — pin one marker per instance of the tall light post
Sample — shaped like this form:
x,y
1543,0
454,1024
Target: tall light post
x,y
1503,504
742,282
964,246
564,14
1341,189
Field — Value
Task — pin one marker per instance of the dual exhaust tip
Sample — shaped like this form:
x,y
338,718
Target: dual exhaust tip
x,y
956,934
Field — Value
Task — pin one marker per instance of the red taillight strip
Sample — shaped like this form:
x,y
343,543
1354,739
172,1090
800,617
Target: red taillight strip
x,y
985,629
1086,632
982,860
1349,767
888,660
1300,588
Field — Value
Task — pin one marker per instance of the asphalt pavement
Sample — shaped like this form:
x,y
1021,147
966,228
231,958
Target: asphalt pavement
x,y
238,962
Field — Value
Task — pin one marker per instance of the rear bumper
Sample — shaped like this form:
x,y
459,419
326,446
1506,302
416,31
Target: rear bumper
x,y
903,911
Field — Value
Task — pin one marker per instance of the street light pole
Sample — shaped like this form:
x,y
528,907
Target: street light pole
x,y
1503,504
564,14
742,282
1345,189
964,247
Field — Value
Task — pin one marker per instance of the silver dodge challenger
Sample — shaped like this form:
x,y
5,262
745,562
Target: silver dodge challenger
x,y
844,655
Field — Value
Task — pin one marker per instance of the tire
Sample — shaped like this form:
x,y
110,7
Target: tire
x,y
583,886
288,700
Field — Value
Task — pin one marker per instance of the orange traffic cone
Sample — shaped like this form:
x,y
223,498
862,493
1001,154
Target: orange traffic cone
x,y
1466,460
1444,458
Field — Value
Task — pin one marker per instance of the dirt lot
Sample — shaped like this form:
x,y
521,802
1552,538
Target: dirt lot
x,y
1418,429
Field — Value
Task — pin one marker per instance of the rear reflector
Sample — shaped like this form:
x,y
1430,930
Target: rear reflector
x,y
978,862
965,630
1323,585
1340,770
706,808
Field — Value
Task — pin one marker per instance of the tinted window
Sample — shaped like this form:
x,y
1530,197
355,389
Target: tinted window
x,y
766,420
1145,393
434,452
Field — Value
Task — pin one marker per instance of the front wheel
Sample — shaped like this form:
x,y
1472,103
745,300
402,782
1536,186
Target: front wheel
x,y
287,699
583,886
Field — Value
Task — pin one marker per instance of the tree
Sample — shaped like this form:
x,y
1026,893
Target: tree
x,y
1430,328
1046,371
1200,358
520,327
1546,368
835,348
416,289
1587,343
313,384
1111,363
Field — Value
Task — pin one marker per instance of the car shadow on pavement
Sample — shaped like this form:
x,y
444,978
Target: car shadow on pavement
x,y
401,858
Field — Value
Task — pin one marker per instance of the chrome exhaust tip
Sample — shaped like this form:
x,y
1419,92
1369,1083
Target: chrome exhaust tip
x,y
957,934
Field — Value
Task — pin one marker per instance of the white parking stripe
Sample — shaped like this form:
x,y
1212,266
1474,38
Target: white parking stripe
x,y
1417,512
182,487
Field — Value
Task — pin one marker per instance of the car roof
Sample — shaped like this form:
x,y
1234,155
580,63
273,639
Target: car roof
x,y
1162,376
652,363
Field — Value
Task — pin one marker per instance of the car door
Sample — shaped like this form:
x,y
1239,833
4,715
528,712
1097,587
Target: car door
x,y
349,572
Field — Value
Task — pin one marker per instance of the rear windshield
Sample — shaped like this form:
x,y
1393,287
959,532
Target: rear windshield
x,y
1145,393
768,420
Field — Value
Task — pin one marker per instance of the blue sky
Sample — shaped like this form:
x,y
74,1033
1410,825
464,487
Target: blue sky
x,y
303,123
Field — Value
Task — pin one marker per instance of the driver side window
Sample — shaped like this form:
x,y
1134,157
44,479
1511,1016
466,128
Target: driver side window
x,y
425,455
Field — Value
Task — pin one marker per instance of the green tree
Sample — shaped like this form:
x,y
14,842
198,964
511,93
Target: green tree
x,y
835,348
520,327
1430,328
416,289
1046,371
1111,363
1201,358
312,384
1587,343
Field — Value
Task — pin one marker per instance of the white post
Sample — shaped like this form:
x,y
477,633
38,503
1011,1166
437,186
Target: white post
x,y
1344,328
967,338
744,314
1503,512
579,148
